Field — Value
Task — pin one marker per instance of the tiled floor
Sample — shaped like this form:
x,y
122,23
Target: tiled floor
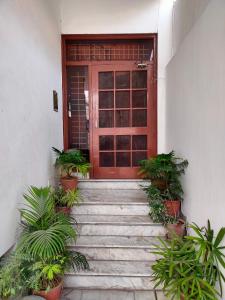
x,y
73,294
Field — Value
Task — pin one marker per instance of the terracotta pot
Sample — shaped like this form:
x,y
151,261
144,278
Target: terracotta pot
x,y
53,294
69,183
175,229
66,210
172,207
159,183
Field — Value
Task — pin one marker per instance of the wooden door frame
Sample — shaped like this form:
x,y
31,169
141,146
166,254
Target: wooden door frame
x,y
96,37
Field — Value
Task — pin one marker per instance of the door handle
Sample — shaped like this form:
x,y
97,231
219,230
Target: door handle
x,y
69,110
87,125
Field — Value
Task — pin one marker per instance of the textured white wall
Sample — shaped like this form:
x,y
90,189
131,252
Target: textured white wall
x,y
196,114
127,16
30,69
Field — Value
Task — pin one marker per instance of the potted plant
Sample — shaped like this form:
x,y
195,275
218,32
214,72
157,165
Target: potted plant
x,y
44,240
46,276
12,282
69,162
175,226
165,171
190,268
65,200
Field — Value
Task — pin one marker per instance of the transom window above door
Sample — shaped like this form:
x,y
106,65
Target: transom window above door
x,y
126,50
122,99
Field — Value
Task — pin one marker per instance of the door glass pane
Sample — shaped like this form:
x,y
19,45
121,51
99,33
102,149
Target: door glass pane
x,y
123,159
123,142
139,99
106,159
106,142
123,99
106,100
122,80
139,118
106,80
137,156
122,118
139,142
106,118
139,79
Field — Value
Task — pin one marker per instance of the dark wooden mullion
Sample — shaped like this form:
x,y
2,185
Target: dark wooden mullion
x,y
131,117
114,113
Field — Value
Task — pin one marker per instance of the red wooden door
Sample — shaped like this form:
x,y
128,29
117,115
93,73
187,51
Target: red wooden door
x,y
123,119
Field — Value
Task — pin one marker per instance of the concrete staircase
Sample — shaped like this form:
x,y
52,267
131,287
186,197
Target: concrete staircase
x,y
117,236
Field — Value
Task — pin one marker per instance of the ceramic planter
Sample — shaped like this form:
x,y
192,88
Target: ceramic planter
x,y
69,183
172,207
52,294
175,229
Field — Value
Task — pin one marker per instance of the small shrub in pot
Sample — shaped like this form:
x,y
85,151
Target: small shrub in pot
x,y
65,200
165,171
69,162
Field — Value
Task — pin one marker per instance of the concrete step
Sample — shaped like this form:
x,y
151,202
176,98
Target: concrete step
x,y
87,294
128,209
115,184
109,282
118,225
117,236
117,241
116,268
121,230
117,253
113,196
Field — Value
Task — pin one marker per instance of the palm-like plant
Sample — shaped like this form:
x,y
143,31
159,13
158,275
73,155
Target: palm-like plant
x,y
210,252
45,232
191,267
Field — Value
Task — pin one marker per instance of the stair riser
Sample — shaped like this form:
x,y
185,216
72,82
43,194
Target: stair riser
x,y
109,282
123,254
122,230
114,196
122,210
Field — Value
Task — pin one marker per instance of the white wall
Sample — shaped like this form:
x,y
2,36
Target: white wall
x,y
185,14
30,69
126,16
196,114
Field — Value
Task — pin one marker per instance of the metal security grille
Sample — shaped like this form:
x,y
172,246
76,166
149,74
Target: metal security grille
x,y
78,106
140,50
